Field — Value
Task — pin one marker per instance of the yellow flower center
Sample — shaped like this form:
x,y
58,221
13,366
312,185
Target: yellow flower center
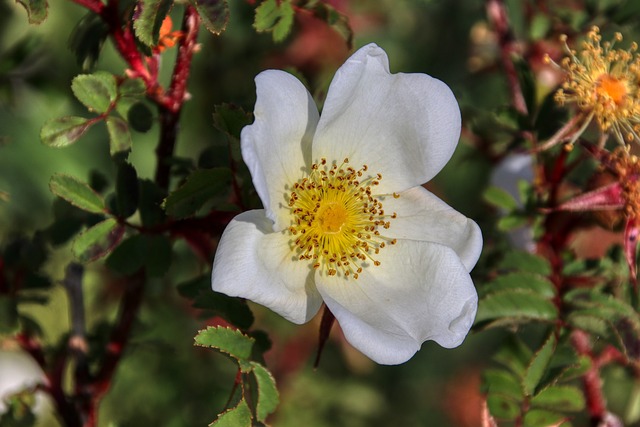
x,y
609,87
335,219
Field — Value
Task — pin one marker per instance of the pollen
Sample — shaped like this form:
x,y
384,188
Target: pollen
x,y
337,218
626,169
602,81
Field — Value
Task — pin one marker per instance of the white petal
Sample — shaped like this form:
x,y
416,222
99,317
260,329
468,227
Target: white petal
x,y
256,263
277,146
404,126
423,216
421,291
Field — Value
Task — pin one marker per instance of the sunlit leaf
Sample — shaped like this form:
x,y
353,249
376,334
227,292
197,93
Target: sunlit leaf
x,y
214,14
520,280
275,16
240,416
62,131
538,365
229,341
77,193
147,25
96,91
268,398
98,241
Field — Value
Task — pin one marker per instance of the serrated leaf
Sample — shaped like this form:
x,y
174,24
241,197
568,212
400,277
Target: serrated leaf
x,y
37,10
151,14
268,398
520,280
87,39
229,341
132,87
63,131
127,193
275,16
214,14
538,365
561,398
240,416
576,370
525,261
77,193
96,91
199,187
119,135
500,198
98,241
540,417
516,303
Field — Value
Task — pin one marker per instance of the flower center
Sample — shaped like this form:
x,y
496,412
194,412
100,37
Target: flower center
x,y
611,88
335,219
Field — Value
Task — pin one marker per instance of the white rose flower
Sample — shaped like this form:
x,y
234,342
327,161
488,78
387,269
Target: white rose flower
x,y
345,219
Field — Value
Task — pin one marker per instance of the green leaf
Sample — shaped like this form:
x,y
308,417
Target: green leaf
x,y
96,91
140,117
127,193
98,241
77,193
275,16
502,382
37,10
8,315
199,188
500,198
62,131
511,222
561,398
240,416
214,14
229,341
538,365
268,398
147,25
520,280
335,19
230,119
132,87
119,135
149,252
229,308
503,407
525,261
540,417
516,304
514,355
87,39
150,203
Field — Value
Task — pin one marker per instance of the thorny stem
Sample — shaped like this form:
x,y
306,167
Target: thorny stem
x,y
497,14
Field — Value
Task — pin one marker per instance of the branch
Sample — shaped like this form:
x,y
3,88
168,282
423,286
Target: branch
x,y
497,14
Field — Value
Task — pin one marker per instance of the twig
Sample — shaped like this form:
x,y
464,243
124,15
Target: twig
x,y
497,14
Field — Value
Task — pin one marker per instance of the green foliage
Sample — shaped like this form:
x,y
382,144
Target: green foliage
x,y
37,10
77,193
96,91
268,399
214,14
275,17
240,416
119,135
199,188
63,131
500,198
152,13
87,39
141,252
98,241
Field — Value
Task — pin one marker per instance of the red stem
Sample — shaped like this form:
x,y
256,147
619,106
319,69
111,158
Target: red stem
x,y
95,6
596,403
497,14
